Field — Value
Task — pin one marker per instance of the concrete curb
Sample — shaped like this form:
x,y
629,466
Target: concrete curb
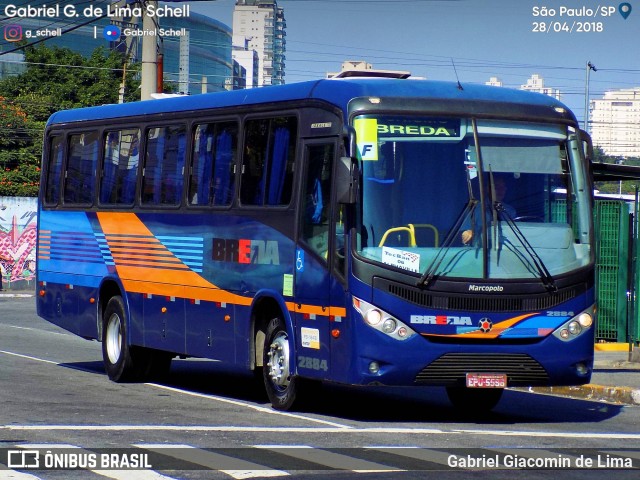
x,y
599,393
611,347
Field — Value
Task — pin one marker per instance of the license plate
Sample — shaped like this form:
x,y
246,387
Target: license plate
x,y
486,380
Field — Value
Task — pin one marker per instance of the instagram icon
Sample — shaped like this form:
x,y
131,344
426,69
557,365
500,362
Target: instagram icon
x,y
12,33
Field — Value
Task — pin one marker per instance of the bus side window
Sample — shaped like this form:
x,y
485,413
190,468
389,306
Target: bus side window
x,y
81,168
119,172
214,153
164,165
54,171
269,156
316,198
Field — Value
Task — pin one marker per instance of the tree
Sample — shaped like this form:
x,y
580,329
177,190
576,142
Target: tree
x,y
55,79
19,153
626,186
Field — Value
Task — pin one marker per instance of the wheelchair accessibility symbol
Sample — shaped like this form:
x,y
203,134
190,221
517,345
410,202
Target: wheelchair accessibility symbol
x,y
300,260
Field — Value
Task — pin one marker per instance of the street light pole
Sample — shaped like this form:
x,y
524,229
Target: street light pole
x,y
590,66
149,72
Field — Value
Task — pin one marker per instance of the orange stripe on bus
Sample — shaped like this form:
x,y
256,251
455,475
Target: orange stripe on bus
x,y
138,248
149,260
172,282
118,223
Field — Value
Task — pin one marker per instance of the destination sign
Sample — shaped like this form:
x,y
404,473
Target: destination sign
x,y
370,131
395,128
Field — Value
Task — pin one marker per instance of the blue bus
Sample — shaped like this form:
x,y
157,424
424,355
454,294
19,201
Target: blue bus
x,y
362,231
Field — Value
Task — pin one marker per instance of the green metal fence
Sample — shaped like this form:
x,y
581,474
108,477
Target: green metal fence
x,y
611,218
617,270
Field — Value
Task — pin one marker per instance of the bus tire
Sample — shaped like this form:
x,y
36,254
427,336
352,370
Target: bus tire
x,y
279,381
116,352
474,400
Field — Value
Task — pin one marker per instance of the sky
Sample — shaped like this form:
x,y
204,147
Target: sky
x,y
482,38
465,40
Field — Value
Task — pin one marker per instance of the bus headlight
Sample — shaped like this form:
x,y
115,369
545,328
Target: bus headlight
x,y
585,319
576,326
373,317
389,326
382,321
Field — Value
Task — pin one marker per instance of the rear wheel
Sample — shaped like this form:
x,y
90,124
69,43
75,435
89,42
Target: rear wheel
x,y
281,385
122,361
116,352
474,400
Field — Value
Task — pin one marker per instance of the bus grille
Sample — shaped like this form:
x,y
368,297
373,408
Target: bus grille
x,y
451,369
477,303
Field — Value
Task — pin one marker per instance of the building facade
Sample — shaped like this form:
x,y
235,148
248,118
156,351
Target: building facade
x,y
247,58
536,84
208,50
615,122
263,26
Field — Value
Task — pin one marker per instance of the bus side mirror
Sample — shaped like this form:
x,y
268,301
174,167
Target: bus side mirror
x,y
347,176
587,146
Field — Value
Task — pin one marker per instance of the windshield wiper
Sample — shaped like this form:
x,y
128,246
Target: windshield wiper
x,y
431,270
543,273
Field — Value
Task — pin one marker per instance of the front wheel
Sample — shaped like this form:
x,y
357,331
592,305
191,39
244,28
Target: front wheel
x,y
280,383
474,400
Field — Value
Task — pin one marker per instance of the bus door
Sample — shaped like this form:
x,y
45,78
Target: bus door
x,y
312,278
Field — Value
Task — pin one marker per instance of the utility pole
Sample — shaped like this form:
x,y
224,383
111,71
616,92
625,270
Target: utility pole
x,y
149,55
183,76
590,67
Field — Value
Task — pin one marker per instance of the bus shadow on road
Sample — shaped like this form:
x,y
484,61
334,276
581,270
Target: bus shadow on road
x,y
430,404
390,404
379,404
96,367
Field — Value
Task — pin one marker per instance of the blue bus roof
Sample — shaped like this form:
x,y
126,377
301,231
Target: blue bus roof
x,y
335,91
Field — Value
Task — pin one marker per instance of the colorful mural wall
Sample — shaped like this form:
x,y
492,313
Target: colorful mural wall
x,y
18,242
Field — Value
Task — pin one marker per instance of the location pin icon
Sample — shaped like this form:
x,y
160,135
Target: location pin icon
x,y
624,9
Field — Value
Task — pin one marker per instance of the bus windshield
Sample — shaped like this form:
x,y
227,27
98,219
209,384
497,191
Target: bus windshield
x,y
462,198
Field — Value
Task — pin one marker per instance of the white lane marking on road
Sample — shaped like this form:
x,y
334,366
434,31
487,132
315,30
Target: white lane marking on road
x,y
330,459
317,430
248,405
40,330
234,467
209,397
115,474
13,475
417,453
549,434
28,357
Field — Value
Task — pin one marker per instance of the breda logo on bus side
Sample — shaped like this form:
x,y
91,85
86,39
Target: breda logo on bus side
x,y
242,250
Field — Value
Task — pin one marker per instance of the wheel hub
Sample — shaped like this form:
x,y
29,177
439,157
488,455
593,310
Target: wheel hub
x,y
113,338
278,363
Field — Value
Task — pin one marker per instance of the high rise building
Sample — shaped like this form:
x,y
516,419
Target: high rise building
x,y
262,24
536,84
615,122
247,58
206,54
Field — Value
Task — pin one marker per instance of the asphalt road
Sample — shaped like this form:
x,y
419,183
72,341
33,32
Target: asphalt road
x,y
208,422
